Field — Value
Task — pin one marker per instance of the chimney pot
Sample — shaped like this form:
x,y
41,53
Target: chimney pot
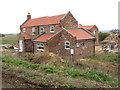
x,y
28,16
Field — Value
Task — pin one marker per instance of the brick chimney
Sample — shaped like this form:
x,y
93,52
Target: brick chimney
x,y
28,16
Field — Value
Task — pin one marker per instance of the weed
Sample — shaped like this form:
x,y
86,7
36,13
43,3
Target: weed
x,y
69,86
29,59
12,51
106,57
74,73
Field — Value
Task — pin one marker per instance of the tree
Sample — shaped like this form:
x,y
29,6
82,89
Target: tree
x,y
115,31
103,35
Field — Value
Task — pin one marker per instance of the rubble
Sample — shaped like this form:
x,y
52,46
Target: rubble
x,y
113,38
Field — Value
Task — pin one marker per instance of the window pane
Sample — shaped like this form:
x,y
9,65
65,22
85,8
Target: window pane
x,y
52,28
40,46
33,30
67,45
23,30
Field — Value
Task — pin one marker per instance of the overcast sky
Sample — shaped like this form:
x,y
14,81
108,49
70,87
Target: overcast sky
x,y
103,13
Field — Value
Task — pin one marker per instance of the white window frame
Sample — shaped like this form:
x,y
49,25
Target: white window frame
x,y
94,32
39,45
24,30
33,30
77,45
40,29
51,27
67,44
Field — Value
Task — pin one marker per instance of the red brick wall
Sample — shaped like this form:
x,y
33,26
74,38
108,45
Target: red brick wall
x,y
86,50
27,30
35,51
27,44
96,35
37,29
23,43
57,46
69,21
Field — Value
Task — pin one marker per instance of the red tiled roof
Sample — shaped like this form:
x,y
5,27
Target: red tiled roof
x,y
44,38
85,27
26,36
43,21
80,34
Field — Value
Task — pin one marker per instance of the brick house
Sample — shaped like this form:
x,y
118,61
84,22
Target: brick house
x,y
59,34
92,29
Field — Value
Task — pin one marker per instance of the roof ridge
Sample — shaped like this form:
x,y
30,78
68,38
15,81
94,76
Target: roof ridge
x,y
48,16
39,36
88,25
88,32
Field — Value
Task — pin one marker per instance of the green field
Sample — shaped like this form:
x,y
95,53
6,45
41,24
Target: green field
x,y
8,39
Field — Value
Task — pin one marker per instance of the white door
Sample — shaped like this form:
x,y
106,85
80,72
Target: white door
x,y
20,45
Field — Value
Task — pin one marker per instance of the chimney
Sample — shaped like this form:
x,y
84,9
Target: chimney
x,y
28,16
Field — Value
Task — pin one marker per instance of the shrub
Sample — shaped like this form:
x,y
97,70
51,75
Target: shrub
x,y
103,35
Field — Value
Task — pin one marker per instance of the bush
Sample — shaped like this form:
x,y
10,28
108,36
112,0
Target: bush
x,y
103,35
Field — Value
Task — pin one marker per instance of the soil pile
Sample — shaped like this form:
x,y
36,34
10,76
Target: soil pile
x,y
112,38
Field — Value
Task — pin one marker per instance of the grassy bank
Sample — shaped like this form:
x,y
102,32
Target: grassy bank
x,y
106,57
60,72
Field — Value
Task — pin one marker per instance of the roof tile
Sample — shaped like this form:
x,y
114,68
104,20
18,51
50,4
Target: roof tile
x,y
85,27
43,21
26,36
80,34
43,38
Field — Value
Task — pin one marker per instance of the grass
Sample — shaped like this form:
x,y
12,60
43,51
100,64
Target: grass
x,y
8,39
62,72
106,58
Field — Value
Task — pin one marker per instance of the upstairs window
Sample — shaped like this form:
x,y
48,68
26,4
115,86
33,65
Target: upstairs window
x,y
40,46
23,30
94,32
33,31
67,45
41,30
51,28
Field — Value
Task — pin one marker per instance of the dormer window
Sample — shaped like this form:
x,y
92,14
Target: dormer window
x,y
41,30
33,31
23,30
51,28
67,45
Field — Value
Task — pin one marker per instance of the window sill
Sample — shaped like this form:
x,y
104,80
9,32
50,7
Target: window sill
x,y
51,31
67,48
40,49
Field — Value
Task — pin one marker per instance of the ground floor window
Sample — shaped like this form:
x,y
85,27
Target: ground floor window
x,y
77,45
40,46
67,45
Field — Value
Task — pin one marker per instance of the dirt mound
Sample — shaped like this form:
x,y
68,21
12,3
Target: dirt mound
x,y
48,59
112,38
